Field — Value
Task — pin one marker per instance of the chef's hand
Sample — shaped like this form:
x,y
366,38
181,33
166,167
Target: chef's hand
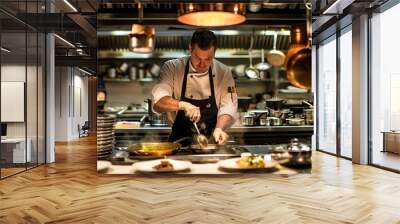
x,y
220,136
191,111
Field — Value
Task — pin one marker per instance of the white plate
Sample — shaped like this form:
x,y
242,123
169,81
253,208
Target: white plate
x,y
103,165
147,166
232,165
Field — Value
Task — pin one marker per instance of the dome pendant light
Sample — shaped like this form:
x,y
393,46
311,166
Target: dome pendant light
x,y
141,39
212,15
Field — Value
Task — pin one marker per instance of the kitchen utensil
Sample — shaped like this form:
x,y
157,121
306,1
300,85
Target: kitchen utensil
x,y
147,166
295,121
201,139
250,71
298,40
299,65
264,121
308,103
209,149
155,70
262,66
133,72
156,148
275,103
248,120
309,116
239,70
300,153
275,57
112,73
275,121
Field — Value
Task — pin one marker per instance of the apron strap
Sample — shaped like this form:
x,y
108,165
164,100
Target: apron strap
x,y
210,75
183,90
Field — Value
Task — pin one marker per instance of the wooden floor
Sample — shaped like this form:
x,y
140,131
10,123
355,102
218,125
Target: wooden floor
x,y
386,159
70,191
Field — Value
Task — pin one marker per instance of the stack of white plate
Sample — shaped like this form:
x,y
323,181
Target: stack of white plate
x,y
105,137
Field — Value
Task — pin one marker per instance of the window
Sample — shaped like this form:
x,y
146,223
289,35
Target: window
x,y
346,92
327,96
385,88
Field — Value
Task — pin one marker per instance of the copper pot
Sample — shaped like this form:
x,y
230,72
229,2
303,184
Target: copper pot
x,y
299,64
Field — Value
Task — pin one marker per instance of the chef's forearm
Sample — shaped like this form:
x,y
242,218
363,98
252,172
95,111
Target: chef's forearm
x,y
224,121
166,104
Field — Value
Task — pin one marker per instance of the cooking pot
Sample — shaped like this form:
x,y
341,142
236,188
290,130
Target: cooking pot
x,y
309,114
295,121
300,153
275,121
248,120
296,154
275,103
133,72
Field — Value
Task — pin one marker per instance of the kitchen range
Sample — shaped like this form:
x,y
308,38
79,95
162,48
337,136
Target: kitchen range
x,y
270,67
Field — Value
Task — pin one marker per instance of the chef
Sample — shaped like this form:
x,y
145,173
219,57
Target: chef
x,y
197,88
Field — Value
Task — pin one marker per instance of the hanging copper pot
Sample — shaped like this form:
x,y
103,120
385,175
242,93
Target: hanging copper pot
x,y
298,40
298,67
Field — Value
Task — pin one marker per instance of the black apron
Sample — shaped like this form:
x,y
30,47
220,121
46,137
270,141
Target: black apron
x,y
182,126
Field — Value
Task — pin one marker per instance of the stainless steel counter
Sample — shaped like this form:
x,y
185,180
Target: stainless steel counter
x,y
235,129
255,135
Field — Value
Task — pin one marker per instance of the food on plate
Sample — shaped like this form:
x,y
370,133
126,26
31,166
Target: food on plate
x,y
248,160
164,165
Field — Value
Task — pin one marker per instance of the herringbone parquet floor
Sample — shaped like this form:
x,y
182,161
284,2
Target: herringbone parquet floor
x,y
70,191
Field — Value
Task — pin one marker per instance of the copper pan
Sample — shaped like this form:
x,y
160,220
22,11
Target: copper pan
x,y
298,67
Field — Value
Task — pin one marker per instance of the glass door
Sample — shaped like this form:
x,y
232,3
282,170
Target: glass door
x,y
326,100
385,89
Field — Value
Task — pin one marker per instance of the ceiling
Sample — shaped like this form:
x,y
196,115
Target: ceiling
x,y
119,15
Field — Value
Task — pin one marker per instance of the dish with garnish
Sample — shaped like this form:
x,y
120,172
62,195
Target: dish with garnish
x,y
162,165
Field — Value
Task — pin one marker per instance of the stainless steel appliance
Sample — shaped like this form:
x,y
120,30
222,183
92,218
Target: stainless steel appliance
x,y
156,119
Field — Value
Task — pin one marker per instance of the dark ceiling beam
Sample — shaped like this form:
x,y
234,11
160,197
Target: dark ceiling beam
x,y
205,1
81,61
127,19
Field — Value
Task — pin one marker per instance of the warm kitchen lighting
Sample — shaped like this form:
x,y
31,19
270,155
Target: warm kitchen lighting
x,y
70,5
141,39
5,50
211,15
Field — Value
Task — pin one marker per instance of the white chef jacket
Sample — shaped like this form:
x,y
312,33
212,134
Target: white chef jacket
x,y
198,85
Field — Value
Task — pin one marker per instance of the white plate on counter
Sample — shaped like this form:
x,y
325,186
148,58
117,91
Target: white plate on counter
x,y
103,165
148,166
232,165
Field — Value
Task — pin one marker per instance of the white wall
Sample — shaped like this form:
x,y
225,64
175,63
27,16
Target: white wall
x,y
71,102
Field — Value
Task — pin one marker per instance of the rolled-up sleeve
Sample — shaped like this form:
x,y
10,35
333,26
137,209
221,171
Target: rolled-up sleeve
x,y
164,87
229,101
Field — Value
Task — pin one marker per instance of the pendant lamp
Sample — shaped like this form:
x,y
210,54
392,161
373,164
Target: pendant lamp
x,y
211,15
141,39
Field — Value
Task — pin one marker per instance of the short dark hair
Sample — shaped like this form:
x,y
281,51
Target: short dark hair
x,y
204,39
